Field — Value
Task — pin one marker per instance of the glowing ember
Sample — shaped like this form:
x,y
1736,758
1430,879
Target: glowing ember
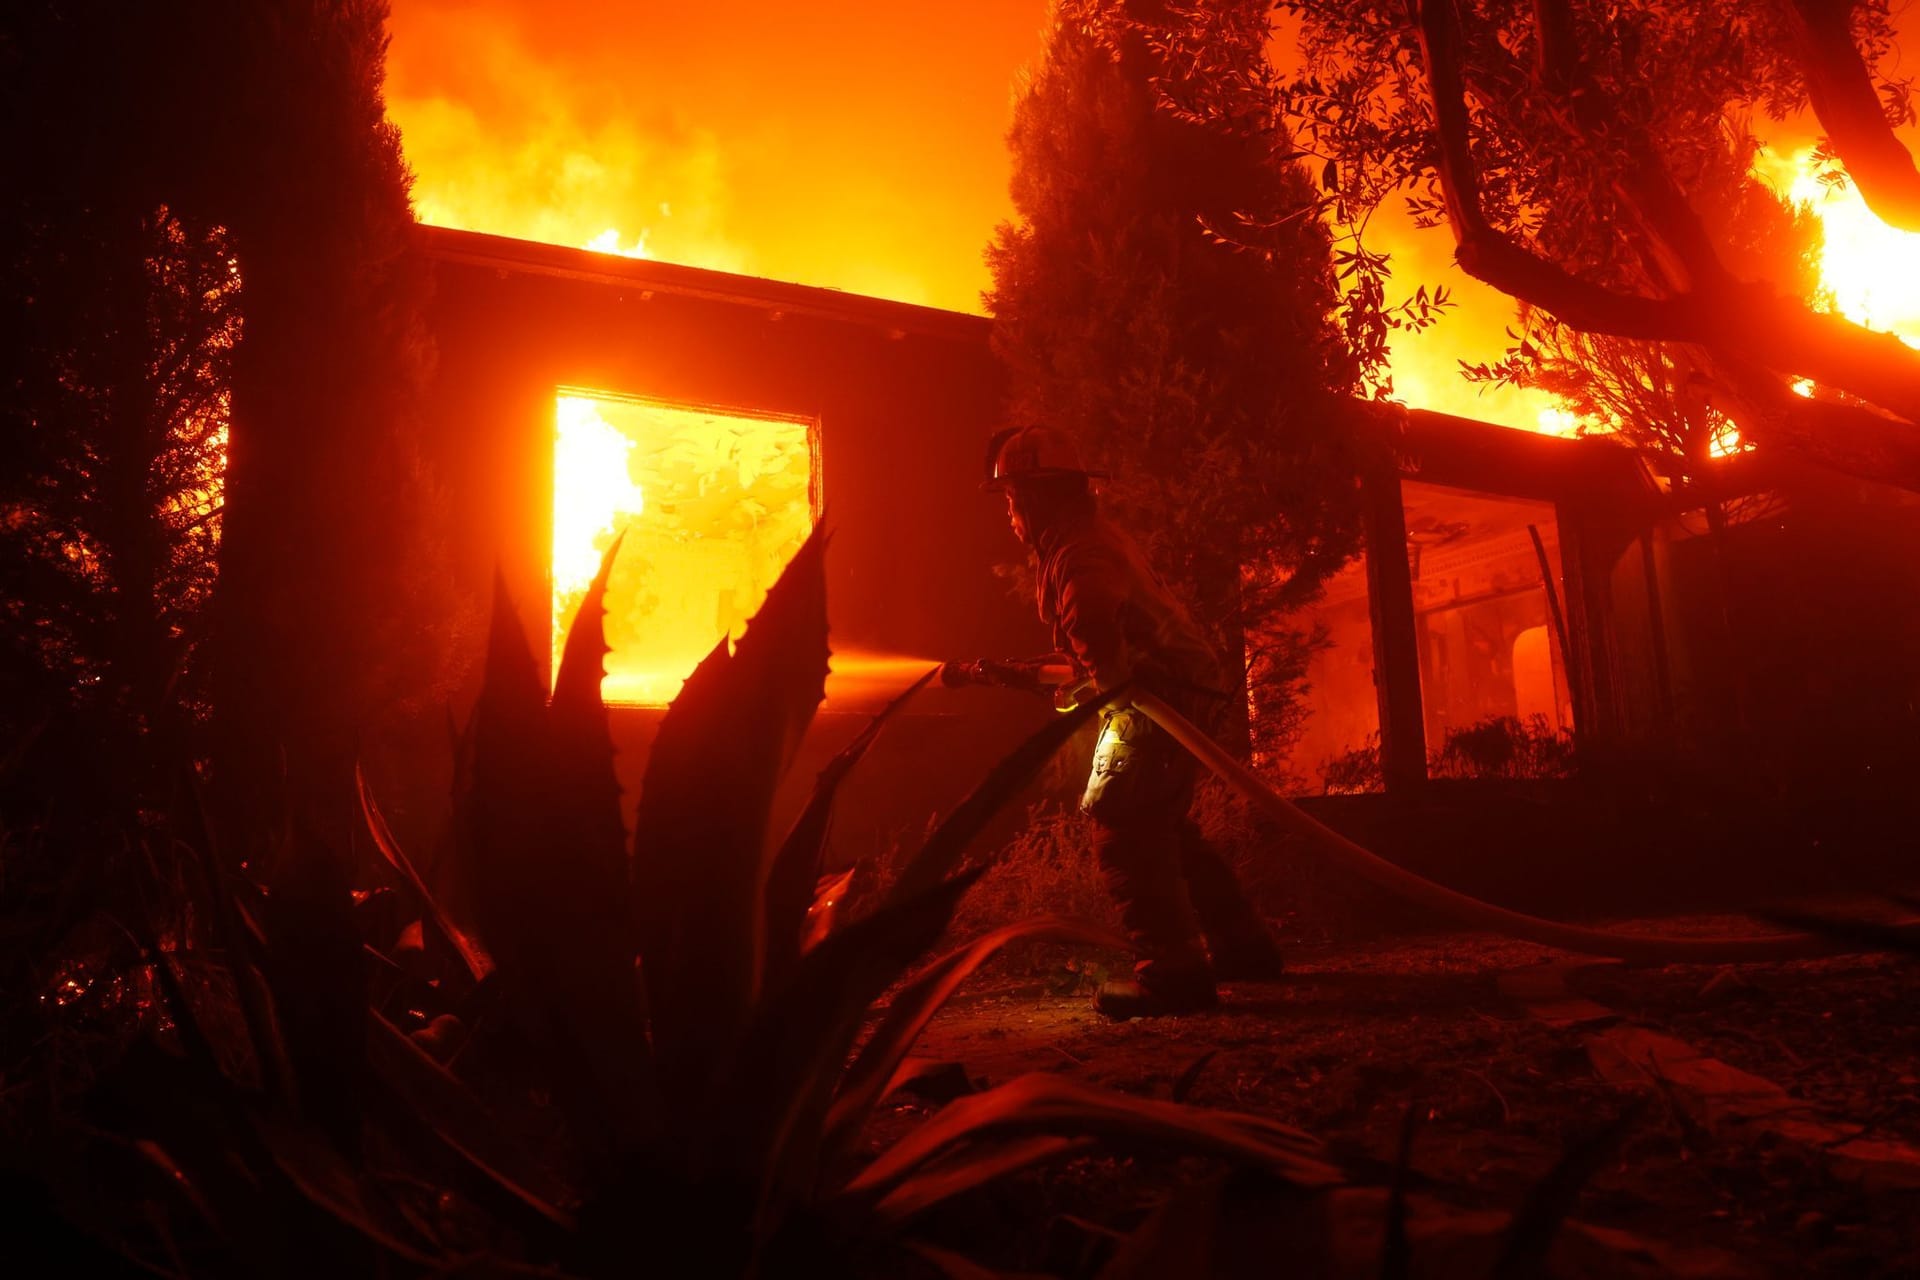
x,y
727,501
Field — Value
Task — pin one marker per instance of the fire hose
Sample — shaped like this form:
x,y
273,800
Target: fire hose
x,y
1040,675
1337,850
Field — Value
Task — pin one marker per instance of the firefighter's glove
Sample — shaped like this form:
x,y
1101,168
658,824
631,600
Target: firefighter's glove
x,y
1071,693
1003,673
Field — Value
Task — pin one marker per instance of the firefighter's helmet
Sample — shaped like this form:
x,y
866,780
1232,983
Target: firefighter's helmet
x,y
1032,453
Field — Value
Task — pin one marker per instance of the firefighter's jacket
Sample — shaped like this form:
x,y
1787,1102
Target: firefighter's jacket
x,y
1113,615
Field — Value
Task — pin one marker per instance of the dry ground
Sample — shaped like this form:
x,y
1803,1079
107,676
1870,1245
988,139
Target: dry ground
x,y
1358,1035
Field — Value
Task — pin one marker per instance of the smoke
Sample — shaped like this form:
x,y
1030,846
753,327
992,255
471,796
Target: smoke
x,y
503,141
859,146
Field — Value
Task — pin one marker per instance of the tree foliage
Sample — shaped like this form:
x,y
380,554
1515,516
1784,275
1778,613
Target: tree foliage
x,y
205,231
1658,396
123,300
1579,152
1166,296
331,578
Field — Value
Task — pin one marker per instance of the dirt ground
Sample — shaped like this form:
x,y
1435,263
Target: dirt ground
x,y
1358,1035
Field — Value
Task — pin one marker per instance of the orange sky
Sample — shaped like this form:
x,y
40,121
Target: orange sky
x,y
858,144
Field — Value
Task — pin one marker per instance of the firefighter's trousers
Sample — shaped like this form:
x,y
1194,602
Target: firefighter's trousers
x,y
1171,885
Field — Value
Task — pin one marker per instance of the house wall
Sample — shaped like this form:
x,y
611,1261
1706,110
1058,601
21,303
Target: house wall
x,y
903,420
905,398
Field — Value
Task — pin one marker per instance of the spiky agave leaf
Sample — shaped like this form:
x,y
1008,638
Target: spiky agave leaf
x,y
479,964
796,866
588,874
797,1136
428,1095
282,1199
829,896
1530,1237
1177,1237
699,842
587,791
316,972
873,1073
502,810
941,854
561,943
337,1188
784,1077
964,1171
1047,1105
242,946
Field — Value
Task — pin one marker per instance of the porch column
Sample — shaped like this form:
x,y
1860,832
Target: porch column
x,y
1396,645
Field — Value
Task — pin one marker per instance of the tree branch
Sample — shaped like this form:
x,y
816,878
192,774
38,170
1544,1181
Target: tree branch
x,y
1683,252
1839,437
1480,249
1783,334
1841,90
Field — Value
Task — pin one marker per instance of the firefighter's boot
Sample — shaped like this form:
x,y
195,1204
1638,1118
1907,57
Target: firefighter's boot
x,y
1171,974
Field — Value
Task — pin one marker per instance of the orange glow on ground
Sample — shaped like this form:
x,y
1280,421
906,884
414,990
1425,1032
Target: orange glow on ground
x,y
713,505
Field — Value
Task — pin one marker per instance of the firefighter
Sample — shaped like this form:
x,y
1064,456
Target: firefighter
x,y
1116,621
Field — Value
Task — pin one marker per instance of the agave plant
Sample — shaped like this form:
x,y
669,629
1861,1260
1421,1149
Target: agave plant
x,y
709,1061
713,1047
715,1053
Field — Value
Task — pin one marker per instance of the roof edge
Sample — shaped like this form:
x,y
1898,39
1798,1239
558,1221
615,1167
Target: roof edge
x,y
776,297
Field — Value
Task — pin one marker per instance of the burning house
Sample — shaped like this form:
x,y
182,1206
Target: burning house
x,y
713,419
1551,590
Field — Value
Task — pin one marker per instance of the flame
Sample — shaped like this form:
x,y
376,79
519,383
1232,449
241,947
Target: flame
x,y
608,241
591,468
1557,422
713,506
1871,271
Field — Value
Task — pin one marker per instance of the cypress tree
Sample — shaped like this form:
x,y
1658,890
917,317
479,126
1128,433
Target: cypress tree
x,y
1166,295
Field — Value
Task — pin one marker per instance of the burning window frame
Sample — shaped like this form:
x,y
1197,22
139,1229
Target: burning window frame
x,y
561,614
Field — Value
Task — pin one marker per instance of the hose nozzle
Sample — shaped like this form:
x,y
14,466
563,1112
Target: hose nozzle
x,y
1030,675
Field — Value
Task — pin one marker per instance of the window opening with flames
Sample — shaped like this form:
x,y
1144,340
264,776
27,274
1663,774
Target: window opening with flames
x,y
713,504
